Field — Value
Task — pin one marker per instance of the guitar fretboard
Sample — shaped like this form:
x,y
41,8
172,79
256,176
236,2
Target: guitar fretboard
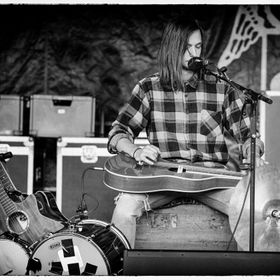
x,y
197,169
6,184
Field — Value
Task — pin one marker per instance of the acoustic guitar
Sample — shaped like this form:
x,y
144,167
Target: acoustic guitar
x,y
124,174
23,218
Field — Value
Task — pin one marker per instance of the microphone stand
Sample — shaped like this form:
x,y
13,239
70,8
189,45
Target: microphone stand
x,y
252,98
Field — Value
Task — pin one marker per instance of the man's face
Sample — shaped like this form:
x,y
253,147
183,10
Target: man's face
x,y
194,47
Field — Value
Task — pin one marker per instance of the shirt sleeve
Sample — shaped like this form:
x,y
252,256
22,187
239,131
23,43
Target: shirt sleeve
x,y
131,120
237,120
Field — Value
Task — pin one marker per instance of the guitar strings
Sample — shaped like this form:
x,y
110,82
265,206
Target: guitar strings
x,y
9,204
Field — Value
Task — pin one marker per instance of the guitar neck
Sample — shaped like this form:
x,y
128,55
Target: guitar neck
x,y
196,169
5,178
6,184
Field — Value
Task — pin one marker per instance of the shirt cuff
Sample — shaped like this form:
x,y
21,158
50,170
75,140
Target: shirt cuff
x,y
113,141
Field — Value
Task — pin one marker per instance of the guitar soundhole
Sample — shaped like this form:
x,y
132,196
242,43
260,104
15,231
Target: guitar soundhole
x,y
18,222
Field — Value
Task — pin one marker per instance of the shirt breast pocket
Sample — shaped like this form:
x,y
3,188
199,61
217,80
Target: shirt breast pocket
x,y
211,123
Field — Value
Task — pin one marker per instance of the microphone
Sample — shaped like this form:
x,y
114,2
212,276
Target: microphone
x,y
196,63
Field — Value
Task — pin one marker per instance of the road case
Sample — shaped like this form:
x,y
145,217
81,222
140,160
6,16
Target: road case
x,y
62,116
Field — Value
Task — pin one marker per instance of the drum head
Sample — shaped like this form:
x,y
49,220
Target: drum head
x,y
110,228
13,258
68,254
109,239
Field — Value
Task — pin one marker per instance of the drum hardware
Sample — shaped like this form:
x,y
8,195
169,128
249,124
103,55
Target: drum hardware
x,y
267,210
82,213
14,237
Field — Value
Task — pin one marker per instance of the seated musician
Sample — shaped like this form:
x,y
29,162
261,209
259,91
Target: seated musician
x,y
185,115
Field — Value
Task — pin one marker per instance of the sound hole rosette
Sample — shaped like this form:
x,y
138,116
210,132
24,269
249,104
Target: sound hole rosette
x,y
17,222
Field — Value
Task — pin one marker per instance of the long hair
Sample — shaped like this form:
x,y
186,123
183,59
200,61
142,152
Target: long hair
x,y
173,46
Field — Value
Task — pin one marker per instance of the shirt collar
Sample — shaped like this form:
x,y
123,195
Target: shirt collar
x,y
193,81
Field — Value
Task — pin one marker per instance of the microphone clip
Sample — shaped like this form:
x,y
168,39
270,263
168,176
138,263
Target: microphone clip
x,y
82,212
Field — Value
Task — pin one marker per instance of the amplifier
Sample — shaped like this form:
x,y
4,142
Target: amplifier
x,y
62,116
11,115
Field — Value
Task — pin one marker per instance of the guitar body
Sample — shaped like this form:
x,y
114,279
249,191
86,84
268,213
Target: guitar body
x,y
31,217
27,222
123,173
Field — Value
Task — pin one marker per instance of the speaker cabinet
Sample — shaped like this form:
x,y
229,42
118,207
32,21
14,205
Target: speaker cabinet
x,y
11,115
62,116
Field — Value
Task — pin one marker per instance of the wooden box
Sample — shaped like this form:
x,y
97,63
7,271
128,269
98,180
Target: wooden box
x,y
190,226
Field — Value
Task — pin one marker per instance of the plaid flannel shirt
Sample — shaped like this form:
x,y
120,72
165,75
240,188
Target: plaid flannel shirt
x,y
188,124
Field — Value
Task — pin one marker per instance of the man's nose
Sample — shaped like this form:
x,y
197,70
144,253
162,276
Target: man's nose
x,y
193,51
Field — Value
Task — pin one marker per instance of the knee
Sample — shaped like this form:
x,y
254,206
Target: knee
x,y
129,205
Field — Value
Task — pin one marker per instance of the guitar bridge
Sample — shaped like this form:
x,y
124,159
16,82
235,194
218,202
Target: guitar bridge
x,y
181,169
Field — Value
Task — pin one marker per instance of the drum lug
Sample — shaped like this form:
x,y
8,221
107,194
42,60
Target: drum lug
x,y
79,228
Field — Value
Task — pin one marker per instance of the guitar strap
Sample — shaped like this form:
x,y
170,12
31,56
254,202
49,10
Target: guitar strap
x,y
48,207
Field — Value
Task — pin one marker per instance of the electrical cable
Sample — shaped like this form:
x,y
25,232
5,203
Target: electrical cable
x,y
82,208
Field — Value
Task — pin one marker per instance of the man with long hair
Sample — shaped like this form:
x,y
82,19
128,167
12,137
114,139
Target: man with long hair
x,y
185,115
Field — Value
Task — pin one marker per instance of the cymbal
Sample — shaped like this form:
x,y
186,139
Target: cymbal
x,y
267,210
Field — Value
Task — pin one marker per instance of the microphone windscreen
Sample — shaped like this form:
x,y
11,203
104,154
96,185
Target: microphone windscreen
x,y
196,63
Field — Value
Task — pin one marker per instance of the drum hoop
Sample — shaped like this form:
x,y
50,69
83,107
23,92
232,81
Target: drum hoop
x,y
114,230
27,251
77,235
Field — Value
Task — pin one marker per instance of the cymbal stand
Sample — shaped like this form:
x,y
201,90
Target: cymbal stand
x,y
252,98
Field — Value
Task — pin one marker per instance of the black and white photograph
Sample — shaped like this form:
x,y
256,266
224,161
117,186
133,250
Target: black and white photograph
x,y
139,139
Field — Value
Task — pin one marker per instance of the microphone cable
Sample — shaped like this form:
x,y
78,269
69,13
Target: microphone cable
x,y
82,208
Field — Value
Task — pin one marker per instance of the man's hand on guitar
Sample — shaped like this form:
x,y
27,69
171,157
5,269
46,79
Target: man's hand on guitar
x,y
148,154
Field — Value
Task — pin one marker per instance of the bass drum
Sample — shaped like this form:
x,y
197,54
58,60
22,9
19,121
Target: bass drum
x,y
92,248
13,257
